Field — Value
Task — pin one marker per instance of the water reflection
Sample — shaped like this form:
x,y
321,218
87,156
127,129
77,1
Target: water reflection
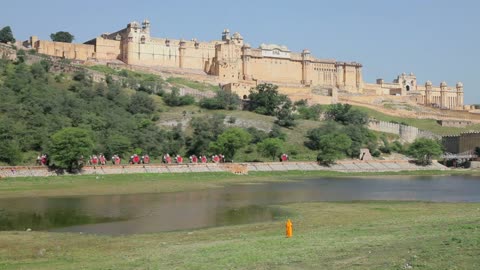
x,y
52,218
238,204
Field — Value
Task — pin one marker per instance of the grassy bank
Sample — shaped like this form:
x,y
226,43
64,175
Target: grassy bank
x,y
153,183
366,235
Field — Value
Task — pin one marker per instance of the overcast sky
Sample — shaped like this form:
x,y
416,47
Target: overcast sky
x,y
438,40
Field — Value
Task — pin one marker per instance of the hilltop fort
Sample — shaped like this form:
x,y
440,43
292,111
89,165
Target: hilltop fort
x,y
238,67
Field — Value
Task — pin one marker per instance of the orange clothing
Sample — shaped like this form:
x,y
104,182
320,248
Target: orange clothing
x,y
289,228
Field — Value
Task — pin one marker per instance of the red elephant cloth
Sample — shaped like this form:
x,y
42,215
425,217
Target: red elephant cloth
x,y
194,159
136,159
146,159
204,159
179,159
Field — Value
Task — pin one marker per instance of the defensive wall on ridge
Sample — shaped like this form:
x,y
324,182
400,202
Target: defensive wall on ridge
x,y
437,114
236,168
406,133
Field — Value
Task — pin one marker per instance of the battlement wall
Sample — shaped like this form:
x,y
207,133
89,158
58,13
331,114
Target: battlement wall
x,y
108,49
171,53
406,133
65,50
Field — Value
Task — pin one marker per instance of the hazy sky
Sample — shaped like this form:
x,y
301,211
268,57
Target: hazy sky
x,y
436,39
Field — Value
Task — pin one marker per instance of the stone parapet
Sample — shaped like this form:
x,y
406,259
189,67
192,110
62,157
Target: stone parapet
x,y
406,133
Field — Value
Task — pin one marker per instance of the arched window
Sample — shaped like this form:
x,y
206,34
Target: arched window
x,y
142,40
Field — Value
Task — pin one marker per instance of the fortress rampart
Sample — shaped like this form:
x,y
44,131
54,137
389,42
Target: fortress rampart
x,y
406,133
239,66
233,62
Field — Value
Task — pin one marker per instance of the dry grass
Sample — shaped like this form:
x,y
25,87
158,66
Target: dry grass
x,y
367,235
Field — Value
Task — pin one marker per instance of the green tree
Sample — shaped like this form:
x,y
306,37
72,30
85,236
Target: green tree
x,y
223,100
187,100
230,141
80,76
285,116
117,144
258,135
174,99
21,55
424,150
68,145
38,71
265,99
333,147
10,152
309,113
271,147
276,132
205,130
6,35
314,135
346,115
301,103
62,36
397,146
141,102
361,137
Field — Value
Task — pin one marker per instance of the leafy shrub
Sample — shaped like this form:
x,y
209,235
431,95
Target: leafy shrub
x,y
174,99
223,100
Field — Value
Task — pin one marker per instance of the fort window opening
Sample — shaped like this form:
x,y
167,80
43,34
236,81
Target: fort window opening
x,y
408,87
245,97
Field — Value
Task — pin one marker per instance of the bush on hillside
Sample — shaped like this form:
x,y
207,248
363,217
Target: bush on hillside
x,y
223,100
173,98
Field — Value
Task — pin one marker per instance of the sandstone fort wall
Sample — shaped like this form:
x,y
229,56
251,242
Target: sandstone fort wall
x,y
406,133
233,61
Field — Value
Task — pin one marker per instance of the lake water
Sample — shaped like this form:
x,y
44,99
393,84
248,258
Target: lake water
x,y
236,204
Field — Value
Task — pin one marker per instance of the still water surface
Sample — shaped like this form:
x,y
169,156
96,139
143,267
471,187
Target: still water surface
x,y
236,204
